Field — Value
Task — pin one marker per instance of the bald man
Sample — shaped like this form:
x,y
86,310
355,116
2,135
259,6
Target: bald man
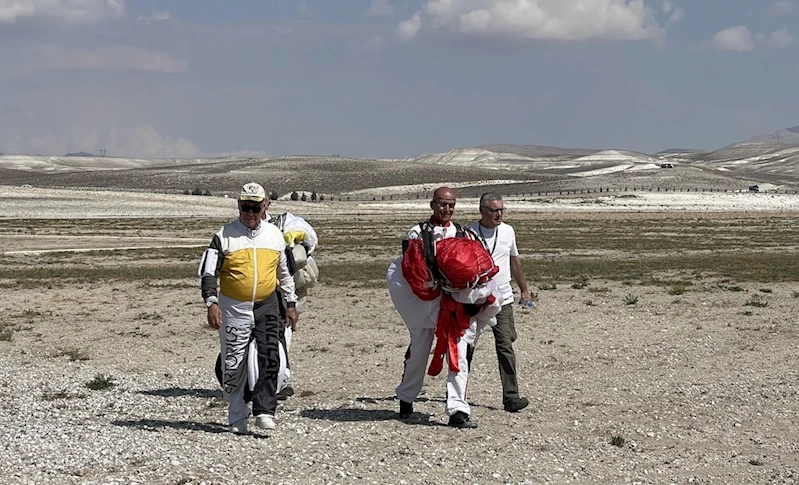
x,y
421,316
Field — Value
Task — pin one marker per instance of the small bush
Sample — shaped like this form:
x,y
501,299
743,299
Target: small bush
x,y
795,294
599,289
101,382
677,289
295,196
303,197
765,290
756,302
630,299
580,284
618,441
6,334
548,286
73,354
734,288
313,196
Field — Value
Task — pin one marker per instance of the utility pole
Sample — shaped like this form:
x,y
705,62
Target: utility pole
x,y
102,152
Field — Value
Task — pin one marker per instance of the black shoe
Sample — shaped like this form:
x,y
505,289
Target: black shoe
x,y
406,409
461,420
286,393
516,405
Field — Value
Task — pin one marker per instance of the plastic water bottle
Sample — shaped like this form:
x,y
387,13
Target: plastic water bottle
x,y
527,304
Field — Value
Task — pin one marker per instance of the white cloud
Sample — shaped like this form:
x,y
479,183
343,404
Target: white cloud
x,y
407,29
667,6
145,141
678,15
140,141
380,8
112,58
521,20
780,39
780,8
155,16
61,11
374,43
737,39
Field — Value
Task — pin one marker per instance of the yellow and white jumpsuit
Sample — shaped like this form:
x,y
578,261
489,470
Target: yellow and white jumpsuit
x,y
248,263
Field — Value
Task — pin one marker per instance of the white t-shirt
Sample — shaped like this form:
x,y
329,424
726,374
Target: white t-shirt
x,y
439,232
501,243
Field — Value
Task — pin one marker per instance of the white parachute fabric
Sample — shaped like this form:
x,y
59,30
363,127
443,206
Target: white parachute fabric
x,y
416,313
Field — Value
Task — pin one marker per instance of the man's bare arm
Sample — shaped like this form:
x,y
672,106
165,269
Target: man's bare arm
x,y
518,276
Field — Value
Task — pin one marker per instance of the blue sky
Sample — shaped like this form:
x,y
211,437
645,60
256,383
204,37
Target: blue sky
x,y
384,78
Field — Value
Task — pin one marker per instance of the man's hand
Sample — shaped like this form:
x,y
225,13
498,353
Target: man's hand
x,y
525,296
291,318
214,316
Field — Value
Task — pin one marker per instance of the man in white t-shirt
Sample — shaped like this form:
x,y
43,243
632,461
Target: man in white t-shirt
x,y
500,240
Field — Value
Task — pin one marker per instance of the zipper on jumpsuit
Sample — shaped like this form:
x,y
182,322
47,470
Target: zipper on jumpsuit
x,y
254,270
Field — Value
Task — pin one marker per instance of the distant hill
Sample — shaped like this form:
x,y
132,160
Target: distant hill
x,y
538,150
671,151
787,136
79,154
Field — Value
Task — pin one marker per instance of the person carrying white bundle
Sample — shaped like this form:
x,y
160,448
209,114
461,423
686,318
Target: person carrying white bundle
x,y
302,241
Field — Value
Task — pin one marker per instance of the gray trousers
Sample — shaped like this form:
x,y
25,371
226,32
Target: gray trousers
x,y
504,336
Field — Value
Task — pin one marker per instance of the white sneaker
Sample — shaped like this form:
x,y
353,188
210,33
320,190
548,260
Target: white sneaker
x,y
239,427
265,421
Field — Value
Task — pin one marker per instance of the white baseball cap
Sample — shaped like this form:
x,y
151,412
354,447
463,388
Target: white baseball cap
x,y
253,192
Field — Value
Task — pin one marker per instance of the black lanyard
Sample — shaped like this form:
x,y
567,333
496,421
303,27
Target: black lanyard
x,y
485,241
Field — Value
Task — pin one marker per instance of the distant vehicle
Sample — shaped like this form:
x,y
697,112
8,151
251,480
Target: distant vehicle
x,y
666,165
754,188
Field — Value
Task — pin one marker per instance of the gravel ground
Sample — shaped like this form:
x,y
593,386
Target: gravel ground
x,y
698,392
696,388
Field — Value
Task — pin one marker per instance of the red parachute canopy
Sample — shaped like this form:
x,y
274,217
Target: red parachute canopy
x,y
463,263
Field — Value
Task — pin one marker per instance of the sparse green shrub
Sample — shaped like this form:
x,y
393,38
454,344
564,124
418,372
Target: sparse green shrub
x,y
580,284
6,334
756,302
303,197
630,299
548,286
734,288
295,196
677,289
73,354
313,196
101,382
273,195
747,313
321,197
795,294
589,303
599,289
618,441
765,290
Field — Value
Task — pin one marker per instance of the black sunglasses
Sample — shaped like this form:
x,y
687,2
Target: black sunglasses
x,y
251,208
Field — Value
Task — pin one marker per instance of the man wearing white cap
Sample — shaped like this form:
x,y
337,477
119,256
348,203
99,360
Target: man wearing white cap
x,y
247,257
